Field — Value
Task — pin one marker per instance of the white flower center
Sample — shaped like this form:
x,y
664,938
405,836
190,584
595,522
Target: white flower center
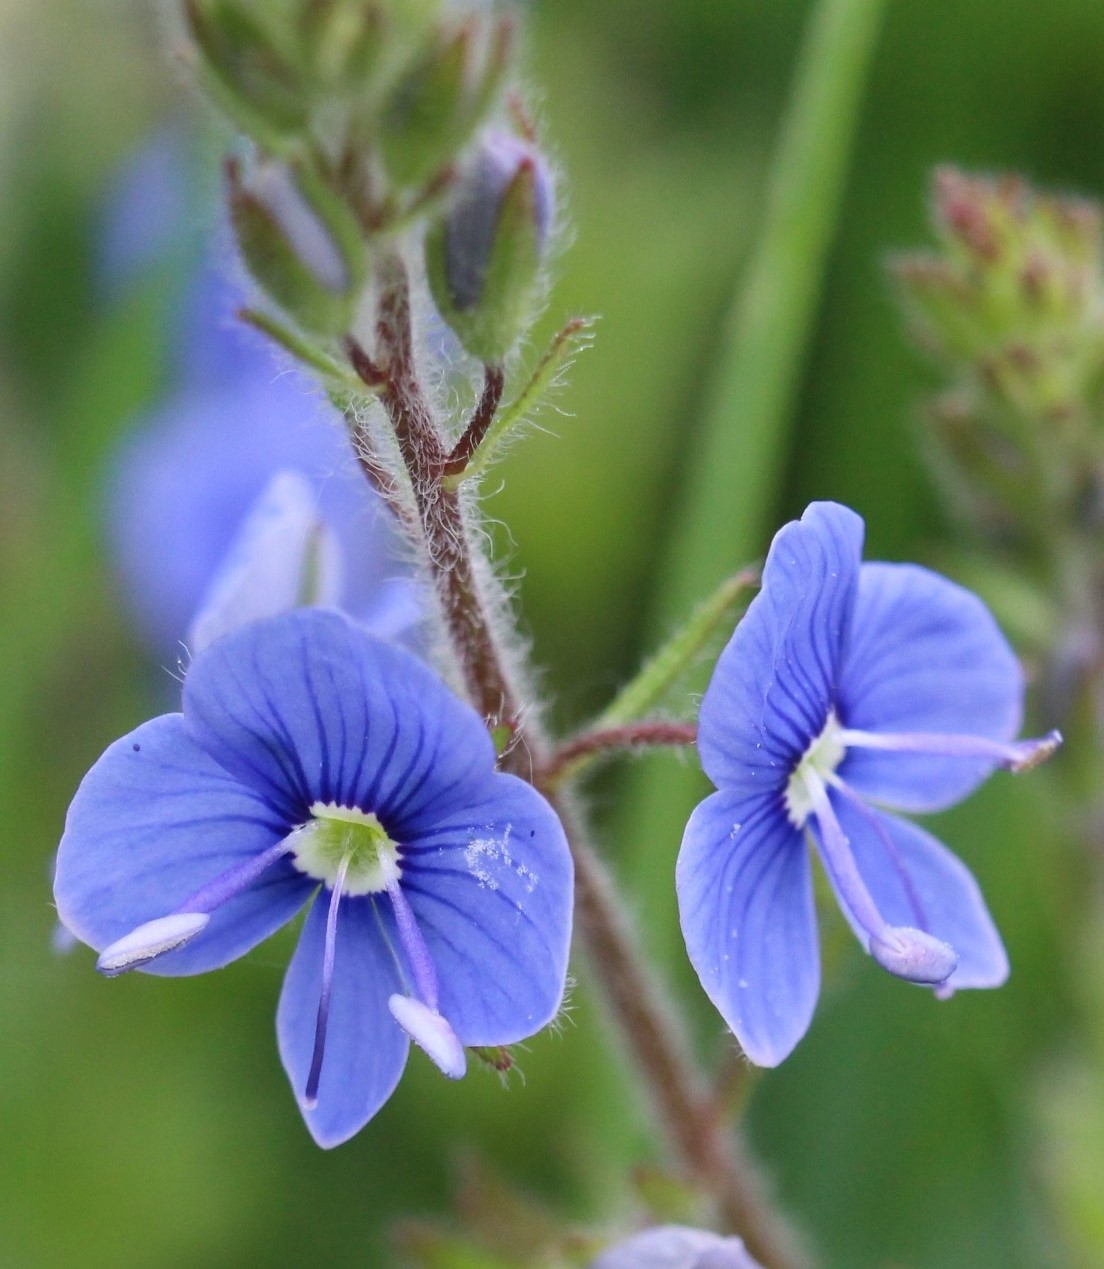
x,y
334,834
821,758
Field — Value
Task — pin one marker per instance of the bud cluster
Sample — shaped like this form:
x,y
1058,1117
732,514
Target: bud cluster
x,y
369,118
1012,304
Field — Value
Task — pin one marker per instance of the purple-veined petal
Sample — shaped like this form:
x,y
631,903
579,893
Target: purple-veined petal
x,y
491,887
917,882
774,683
308,707
676,1247
154,821
746,905
283,557
366,1048
925,656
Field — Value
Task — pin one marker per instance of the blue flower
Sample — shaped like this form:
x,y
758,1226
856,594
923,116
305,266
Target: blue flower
x,y
676,1247
845,684
312,759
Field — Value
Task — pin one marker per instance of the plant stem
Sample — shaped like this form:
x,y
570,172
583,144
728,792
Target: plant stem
x,y
679,1095
570,340
740,450
442,518
580,752
677,655
494,380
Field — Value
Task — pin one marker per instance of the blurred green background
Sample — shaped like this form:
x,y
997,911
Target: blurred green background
x,y
148,1123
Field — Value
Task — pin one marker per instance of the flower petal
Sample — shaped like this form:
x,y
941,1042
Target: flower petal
x,y
307,707
283,556
925,656
774,683
746,905
676,1247
154,821
491,887
365,1047
917,882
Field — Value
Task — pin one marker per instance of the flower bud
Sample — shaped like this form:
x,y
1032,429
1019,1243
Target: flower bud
x,y
300,242
248,73
485,254
440,102
1015,292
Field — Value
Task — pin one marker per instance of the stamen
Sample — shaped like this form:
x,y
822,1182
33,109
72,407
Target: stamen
x,y
1020,755
229,884
909,953
148,941
419,1018
417,954
167,933
310,1094
431,1033
912,954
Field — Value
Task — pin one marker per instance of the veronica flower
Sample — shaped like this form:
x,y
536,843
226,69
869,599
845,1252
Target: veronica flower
x,y
676,1247
313,761
845,685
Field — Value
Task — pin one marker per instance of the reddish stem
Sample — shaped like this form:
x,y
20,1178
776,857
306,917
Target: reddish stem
x,y
493,382
608,740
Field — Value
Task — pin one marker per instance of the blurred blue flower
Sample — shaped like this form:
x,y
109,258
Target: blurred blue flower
x,y
676,1247
844,682
313,759
185,480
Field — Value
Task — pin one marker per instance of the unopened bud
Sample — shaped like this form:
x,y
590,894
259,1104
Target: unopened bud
x,y
441,101
250,75
485,255
300,242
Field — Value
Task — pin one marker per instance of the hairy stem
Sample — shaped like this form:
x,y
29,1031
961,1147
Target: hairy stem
x,y
679,1094
494,380
577,754
444,525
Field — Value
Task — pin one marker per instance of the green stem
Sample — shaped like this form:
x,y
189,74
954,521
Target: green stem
x,y
667,666
333,373
740,450
574,337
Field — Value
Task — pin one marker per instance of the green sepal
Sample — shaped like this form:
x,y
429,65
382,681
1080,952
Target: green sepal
x,y
499,1057
502,735
343,41
437,105
489,328
247,72
278,268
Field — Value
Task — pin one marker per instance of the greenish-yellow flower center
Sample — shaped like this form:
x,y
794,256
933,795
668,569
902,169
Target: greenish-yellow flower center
x,y
335,834
821,759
